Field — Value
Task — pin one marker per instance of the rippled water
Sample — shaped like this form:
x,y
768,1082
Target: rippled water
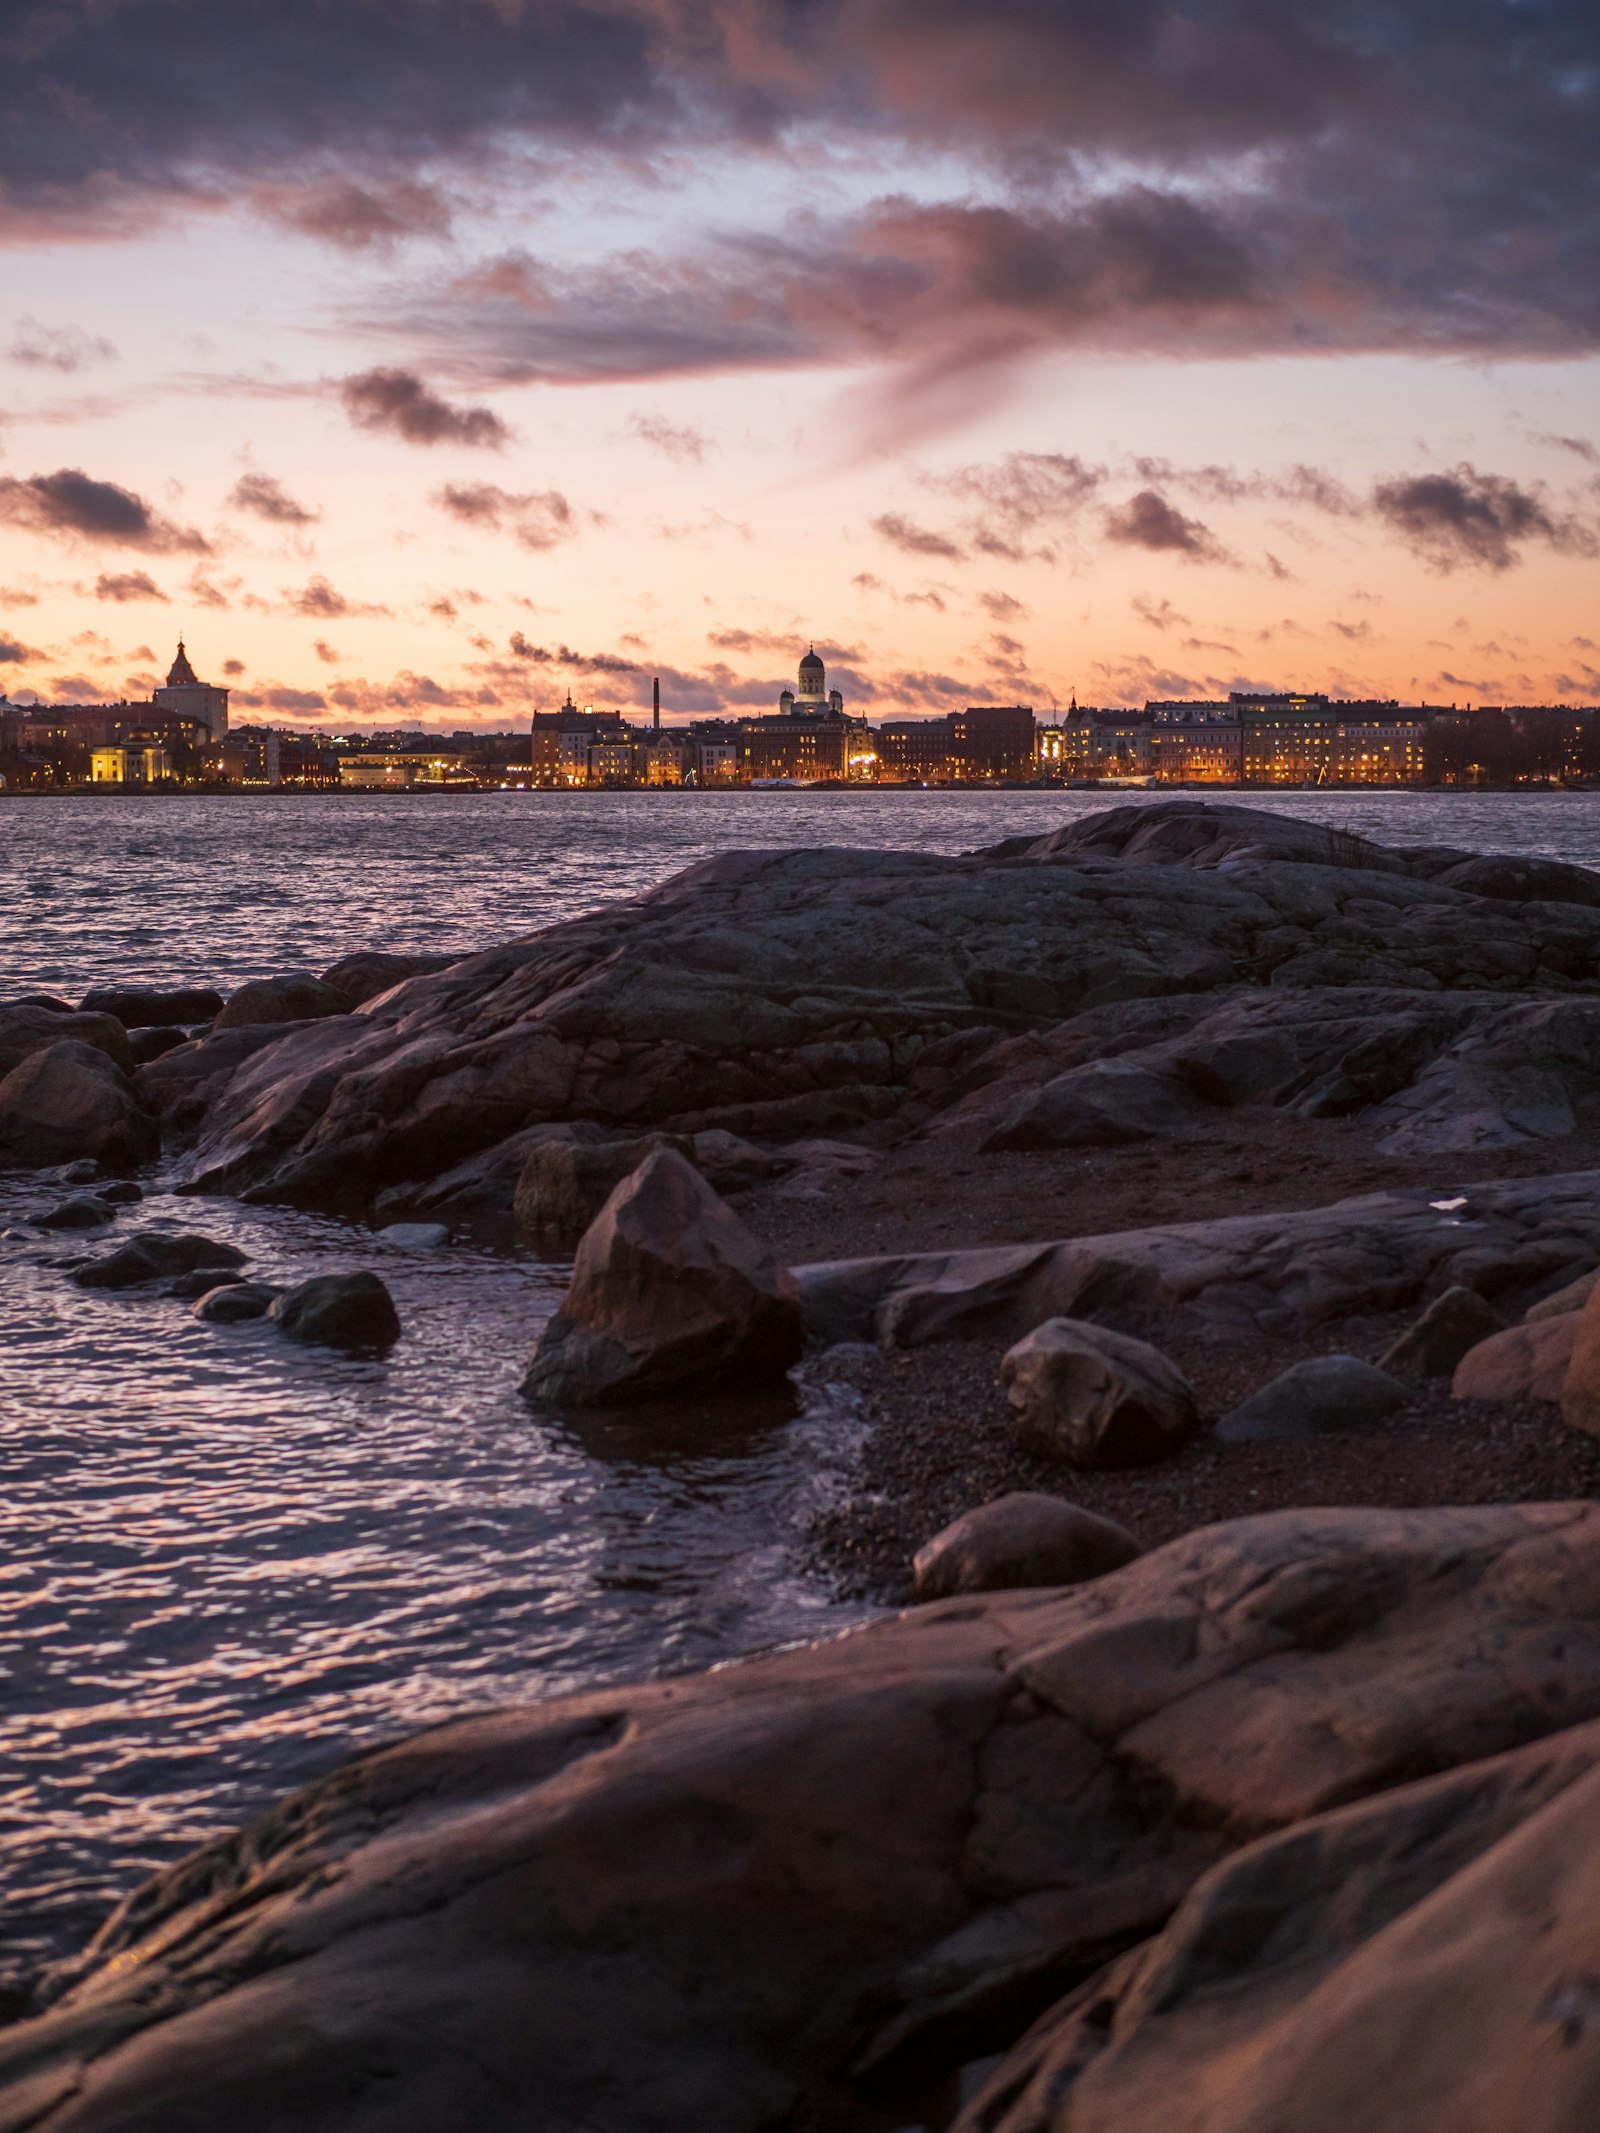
x,y
228,1561
218,890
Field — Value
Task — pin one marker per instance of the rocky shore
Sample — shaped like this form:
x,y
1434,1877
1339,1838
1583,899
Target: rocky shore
x,y
1227,1178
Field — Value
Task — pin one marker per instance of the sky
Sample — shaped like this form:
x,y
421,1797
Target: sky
x,y
421,360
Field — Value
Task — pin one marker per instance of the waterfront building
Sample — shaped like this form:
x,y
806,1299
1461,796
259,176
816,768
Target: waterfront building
x,y
146,764
186,698
399,770
812,738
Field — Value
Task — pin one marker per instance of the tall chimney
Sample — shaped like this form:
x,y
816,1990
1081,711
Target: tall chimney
x,y
658,704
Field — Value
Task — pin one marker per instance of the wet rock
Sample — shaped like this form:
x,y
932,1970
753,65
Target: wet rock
x,y
415,1236
808,1888
371,972
200,1281
1571,1297
138,1007
476,1198
68,1101
120,1192
1094,1398
350,1311
1452,1324
1020,1540
1580,1389
88,1212
155,1254
297,997
669,1292
1325,1393
1425,1959
147,1044
1527,1362
236,1302
28,1027
565,1182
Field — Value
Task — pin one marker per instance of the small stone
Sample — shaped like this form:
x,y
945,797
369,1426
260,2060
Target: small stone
x,y
154,1254
416,1236
235,1302
1311,1399
350,1311
200,1281
89,1212
1522,1363
1453,1324
1020,1540
1095,1398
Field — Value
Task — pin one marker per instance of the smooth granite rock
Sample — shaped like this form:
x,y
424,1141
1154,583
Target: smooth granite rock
x,y
354,1312
28,1026
297,997
670,1292
1020,1540
1527,1362
1094,1398
805,1890
236,1302
69,1102
371,972
1452,1324
1325,1393
152,1256
89,1211
1572,1296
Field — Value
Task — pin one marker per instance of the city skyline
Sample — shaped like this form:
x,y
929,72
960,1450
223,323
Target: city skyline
x,y
466,355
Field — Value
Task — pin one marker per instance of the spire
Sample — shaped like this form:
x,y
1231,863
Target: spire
x,y
181,672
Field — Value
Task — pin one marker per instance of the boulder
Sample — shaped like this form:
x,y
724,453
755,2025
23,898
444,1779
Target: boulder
x,y
1019,1540
29,1026
1580,1388
1523,1363
1094,1398
669,1293
147,1044
1572,1296
89,1211
297,997
1324,1394
565,1182
154,1255
371,972
415,1236
137,1007
120,1192
200,1281
70,1101
806,1890
1452,1324
236,1302
350,1311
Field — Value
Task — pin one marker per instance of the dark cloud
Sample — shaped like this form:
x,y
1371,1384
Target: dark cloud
x,y
911,539
1148,521
13,654
233,666
357,217
267,498
563,655
678,440
398,402
1463,518
62,348
1002,606
319,601
539,519
325,652
127,585
74,506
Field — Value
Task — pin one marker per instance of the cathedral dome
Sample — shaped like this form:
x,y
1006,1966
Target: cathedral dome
x,y
811,666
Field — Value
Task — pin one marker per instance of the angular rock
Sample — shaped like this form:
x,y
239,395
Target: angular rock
x,y
137,1007
153,1255
1527,1362
1325,1394
365,975
1452,1324
68,1102
236,1302
1571,1297
669,1292
88,1212
1094,1398
565,1182
1020,1540
297,997
804,1890
350,1311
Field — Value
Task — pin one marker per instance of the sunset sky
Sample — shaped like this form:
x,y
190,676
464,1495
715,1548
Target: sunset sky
x,y
418,359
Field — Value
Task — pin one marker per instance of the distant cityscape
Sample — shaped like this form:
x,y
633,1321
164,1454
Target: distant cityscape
x,y
181,739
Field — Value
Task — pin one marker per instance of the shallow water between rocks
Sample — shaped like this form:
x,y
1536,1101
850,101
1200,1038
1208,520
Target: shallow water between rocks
x,y
228,1562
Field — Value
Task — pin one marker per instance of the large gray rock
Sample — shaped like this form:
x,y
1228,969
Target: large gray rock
x,y
1452,1324
1019,1540
146,1007
1091,1397
350,1311
804,1890
69,1102
153,1256
669,1292
779,994
297,997
564,1183
1309,1399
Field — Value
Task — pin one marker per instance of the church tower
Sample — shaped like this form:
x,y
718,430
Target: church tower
x,y
187,696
